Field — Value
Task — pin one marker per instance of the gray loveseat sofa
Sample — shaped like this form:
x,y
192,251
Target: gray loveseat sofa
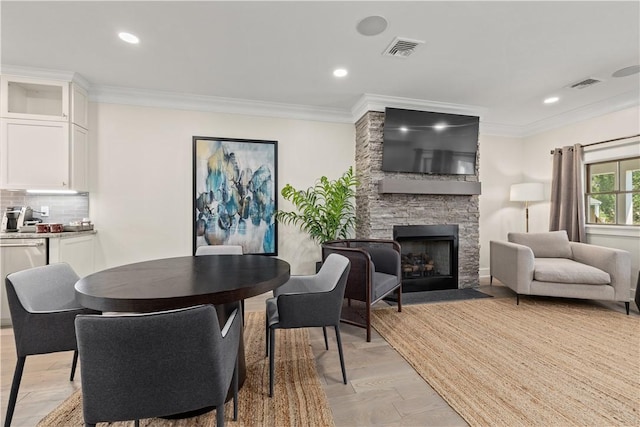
x,y
548,264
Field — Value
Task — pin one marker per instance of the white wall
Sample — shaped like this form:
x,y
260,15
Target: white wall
x,y
501,165
141,176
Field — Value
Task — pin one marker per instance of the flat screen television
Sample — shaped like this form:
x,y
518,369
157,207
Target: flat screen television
x,y
428,142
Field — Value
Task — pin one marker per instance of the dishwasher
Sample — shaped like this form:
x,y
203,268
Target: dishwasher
x,y
16,255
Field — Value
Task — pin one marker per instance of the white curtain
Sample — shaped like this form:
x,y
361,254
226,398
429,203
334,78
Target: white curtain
x,y
567,195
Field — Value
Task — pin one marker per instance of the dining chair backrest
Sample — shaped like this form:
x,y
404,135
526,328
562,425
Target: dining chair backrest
x,y
155,364
39,300
219,250
43,309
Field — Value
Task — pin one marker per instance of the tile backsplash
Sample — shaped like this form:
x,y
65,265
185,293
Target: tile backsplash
x,y
63,208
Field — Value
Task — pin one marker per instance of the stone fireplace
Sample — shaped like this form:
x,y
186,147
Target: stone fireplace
x,y
385,200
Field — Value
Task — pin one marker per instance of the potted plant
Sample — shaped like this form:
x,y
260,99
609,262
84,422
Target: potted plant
x,y
326,211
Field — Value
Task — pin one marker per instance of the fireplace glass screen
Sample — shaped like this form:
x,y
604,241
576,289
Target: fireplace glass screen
x,y
426,258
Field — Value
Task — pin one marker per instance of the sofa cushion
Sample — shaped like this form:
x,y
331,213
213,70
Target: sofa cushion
x,y
552,244
383,283
562,270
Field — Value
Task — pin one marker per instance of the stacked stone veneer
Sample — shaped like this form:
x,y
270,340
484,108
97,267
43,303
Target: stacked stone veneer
x,y
377,213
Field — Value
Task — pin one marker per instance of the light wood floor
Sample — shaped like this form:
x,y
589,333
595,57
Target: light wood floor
x,y
382,388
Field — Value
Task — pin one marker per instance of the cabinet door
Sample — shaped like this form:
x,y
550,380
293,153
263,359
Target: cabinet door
x,y
34,154
79,159
34,99
79,106
78,252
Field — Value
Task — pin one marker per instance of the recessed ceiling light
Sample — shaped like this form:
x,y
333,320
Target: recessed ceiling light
x,y
440,126
404,129
372,25
129,38
340,72
551,100
628,71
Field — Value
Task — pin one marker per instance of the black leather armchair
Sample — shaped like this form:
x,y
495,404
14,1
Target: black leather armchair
x,y
375,273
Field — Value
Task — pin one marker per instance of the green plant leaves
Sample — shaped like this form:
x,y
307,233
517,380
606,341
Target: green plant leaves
x,y
326,211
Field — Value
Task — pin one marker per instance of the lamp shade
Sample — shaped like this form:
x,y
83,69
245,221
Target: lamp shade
x,y
527,192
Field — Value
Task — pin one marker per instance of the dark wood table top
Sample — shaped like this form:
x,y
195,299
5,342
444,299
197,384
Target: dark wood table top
x,y
171,283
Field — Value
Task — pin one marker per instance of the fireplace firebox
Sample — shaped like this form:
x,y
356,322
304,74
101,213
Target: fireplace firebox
x,y
429,256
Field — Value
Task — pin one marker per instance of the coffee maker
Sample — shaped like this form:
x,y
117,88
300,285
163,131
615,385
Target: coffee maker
x,y
13,218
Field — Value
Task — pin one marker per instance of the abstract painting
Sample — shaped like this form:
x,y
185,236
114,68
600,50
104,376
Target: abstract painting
x,y
234,193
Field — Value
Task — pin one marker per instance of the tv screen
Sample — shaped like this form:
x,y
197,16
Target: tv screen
x,y
427,142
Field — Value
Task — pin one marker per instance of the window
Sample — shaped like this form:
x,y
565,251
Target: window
x,y
613,193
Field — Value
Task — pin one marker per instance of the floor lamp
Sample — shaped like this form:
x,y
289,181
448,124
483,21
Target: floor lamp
x,y
527,192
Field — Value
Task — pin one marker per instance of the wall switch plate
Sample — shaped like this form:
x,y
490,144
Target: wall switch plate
x,y
44,210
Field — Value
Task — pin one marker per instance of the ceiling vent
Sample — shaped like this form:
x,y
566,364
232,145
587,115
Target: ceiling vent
x,y
584,83
401,47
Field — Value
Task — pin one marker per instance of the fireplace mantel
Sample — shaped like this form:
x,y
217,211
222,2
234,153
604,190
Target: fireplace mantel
x,y
415,186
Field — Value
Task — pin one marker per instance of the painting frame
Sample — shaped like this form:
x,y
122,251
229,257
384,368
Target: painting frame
x,y
235,194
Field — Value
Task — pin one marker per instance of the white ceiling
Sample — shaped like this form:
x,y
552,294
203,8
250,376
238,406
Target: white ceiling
x,y
495,59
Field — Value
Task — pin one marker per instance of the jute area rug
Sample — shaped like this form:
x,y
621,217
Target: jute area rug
x,y
298,400
541,363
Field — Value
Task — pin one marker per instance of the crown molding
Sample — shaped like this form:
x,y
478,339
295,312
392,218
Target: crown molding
x,y
160,99
43,73
500,129
372,102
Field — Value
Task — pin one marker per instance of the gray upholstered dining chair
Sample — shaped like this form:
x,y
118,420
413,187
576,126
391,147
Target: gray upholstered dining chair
x,y
308,301
157,364
43,307
219,250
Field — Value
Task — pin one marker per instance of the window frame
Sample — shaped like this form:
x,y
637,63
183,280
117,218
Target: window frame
x,y
619,195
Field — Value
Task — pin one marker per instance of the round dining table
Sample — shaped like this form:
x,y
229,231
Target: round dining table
x,y
170,283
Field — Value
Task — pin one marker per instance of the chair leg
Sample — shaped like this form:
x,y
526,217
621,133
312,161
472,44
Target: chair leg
x,y
89,425
15,385
272,350
235,391
266,340
626,305
136,423
400,299
326,341
339,340
368,322
490,280
73,365
220,415
517,299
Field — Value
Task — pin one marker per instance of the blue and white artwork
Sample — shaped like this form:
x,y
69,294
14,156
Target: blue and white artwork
x,y
235,194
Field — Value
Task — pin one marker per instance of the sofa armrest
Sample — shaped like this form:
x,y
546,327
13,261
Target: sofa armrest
x,y
512,264
616,262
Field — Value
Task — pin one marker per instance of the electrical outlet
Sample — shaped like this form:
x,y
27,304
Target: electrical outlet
x,y
44,210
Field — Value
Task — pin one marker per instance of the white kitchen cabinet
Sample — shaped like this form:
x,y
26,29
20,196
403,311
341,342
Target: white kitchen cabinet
x,y
79,158
79,106
34,154
78,252
43,147
34,99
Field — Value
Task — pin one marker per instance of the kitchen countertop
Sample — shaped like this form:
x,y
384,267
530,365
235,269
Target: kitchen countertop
x,y
63,235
